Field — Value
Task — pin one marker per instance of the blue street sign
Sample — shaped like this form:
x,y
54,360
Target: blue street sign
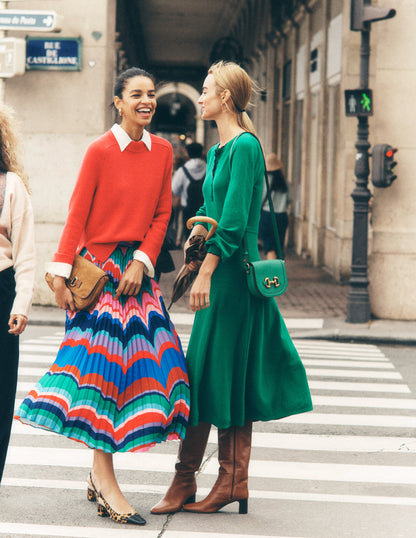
x,y
56,53
39,21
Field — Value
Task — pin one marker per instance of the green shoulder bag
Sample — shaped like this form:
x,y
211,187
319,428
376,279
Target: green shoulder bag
x,y
266,278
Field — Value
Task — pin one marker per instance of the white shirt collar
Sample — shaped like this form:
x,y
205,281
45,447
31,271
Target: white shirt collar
x,y
123,139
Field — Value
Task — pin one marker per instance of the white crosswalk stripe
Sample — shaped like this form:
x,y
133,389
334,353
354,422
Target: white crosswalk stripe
x,y
94,532
360,433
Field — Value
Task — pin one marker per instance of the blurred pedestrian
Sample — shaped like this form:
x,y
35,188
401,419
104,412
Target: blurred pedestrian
x,y
17,268
187,183
119,382
242,364
279,192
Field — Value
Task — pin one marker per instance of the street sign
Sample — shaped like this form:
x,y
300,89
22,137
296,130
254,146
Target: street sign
x,y
25,20
12,57
359,102
56,53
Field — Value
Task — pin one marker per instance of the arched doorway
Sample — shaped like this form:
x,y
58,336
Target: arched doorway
x,y
177,117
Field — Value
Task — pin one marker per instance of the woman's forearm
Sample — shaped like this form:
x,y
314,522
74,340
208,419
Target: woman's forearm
x,y
209,265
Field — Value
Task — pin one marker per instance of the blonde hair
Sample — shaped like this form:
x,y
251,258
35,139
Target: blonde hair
x,y
230,76
10,144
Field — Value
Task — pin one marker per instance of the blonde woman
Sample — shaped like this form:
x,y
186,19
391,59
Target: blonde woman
x,y
242,364
17,268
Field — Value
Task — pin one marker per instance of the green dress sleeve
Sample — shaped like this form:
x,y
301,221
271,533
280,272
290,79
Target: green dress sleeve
x,y
245,171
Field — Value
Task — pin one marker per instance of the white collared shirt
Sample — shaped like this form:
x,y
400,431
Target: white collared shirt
x,y
123,140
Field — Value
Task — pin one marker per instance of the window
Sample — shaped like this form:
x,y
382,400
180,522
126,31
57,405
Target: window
x,y
314,60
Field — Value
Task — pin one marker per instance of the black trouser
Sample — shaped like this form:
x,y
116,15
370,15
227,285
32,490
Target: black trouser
x,y
9,359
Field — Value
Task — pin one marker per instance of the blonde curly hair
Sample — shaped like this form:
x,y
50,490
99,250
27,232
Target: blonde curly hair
x,y
10,144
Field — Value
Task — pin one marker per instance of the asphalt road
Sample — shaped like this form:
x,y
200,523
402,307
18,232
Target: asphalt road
x,y
345,470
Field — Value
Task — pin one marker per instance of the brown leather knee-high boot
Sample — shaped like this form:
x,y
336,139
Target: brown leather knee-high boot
x,y
183,486
234,447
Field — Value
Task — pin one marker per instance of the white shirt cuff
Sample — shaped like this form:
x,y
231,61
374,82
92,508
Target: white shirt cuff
x,y
59,269
141,256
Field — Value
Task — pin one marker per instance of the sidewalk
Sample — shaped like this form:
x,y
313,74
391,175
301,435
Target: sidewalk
x,y
314,306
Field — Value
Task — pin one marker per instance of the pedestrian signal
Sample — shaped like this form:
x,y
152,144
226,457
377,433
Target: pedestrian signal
x,y
358,102
382,165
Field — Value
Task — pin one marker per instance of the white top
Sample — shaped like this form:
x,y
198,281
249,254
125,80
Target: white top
x,y
17,241
123,140
180,181
281,200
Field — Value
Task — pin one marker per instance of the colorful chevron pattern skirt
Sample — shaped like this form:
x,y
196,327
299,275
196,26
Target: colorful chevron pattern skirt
x,y
119,381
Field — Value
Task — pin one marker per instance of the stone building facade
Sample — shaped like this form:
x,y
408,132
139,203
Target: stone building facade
x,y
303,56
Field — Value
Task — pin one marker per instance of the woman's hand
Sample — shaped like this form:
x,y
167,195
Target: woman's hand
x,y
131,281
199,298
200,291
63,296
17,324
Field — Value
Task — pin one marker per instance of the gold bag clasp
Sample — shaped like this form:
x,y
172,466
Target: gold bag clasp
x,y
74,282
268,283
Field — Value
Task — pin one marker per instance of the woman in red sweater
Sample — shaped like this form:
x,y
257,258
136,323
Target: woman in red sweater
x,y
119,382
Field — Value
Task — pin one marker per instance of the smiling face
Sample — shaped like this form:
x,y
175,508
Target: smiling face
x,y
210,100
138,104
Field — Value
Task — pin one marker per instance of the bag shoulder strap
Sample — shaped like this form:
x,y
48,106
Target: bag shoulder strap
x,y
188,174
269,198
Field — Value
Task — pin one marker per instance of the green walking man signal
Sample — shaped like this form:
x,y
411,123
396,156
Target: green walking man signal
x,y
358,102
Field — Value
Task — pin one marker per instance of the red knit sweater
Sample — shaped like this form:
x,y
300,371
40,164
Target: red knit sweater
x,y
119,196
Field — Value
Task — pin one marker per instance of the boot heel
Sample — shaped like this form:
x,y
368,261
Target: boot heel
x,y
243,506
190,499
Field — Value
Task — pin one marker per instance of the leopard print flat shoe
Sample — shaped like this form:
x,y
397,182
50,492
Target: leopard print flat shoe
x,y
105,510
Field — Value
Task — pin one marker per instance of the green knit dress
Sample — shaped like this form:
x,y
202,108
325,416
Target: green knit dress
x,y
242,363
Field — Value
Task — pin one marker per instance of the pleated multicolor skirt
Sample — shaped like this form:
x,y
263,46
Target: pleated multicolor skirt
x,y
119,381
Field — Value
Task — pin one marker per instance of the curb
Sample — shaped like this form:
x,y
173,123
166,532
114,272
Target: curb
x,y
354,337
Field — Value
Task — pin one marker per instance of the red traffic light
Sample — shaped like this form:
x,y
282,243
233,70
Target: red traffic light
x,y
390,153
382,165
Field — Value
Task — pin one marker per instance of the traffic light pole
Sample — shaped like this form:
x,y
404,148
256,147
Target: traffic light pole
x,y
358,310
